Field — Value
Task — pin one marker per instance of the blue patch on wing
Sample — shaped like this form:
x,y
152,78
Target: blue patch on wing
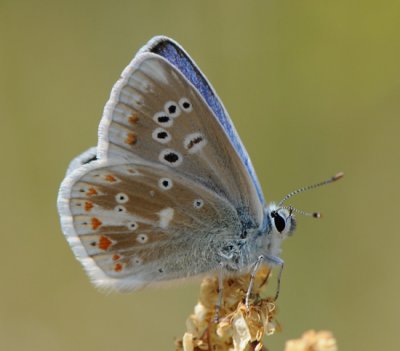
x,y
179,59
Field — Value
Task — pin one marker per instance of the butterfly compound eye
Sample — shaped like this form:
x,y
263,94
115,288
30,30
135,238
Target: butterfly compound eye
x,y
278,221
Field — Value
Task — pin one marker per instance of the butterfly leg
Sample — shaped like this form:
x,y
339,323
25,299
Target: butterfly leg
x,y
276,261
278,288
252,277
220,293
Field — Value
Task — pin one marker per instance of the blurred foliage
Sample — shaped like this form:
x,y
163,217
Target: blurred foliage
x,y
313,88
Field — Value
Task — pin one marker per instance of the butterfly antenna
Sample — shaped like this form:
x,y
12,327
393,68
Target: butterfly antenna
x,y
336,177
308,214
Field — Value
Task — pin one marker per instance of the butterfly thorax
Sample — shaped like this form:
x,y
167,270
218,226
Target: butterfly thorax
x,y
264,240
252,241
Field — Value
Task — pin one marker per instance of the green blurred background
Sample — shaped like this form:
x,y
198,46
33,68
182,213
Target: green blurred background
x,y
313,88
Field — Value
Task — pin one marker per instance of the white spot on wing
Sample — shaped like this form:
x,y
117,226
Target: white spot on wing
x,y
165,183
142,238
166,216
161,135
194,142
163,119
121,198
170,157
185,105
120,209
198,203
172,109
132,225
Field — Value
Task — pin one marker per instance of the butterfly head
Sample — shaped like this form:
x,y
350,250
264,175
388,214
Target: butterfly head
x,y
281,219
278,225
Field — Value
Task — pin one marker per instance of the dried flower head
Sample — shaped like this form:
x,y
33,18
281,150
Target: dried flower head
x,y
238,328
313,341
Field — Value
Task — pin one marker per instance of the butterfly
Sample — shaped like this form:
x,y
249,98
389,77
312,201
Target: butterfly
x,y
169,192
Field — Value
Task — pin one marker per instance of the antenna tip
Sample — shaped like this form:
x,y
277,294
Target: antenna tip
x,y
337,176
317,214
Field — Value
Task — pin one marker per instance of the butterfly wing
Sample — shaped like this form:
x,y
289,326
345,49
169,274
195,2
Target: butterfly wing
x,y
158,127
128,223
156,114
178,57
84,158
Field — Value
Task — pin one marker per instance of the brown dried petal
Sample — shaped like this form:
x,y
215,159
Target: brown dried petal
x,y
241,333
187,342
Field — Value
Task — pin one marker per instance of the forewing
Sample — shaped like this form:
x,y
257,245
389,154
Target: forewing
x,y
178,57
135,224
156,114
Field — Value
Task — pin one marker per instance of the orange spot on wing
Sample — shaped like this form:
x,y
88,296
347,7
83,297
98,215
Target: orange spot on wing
x,y
131,139
116,257
110,178
133,119
91,191
96,223
88,206
104,243
118,267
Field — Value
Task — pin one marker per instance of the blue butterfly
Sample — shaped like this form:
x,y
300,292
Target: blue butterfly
x,y
170,191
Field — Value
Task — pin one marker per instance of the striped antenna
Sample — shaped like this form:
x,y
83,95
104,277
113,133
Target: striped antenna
x,y
292,209
336,177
